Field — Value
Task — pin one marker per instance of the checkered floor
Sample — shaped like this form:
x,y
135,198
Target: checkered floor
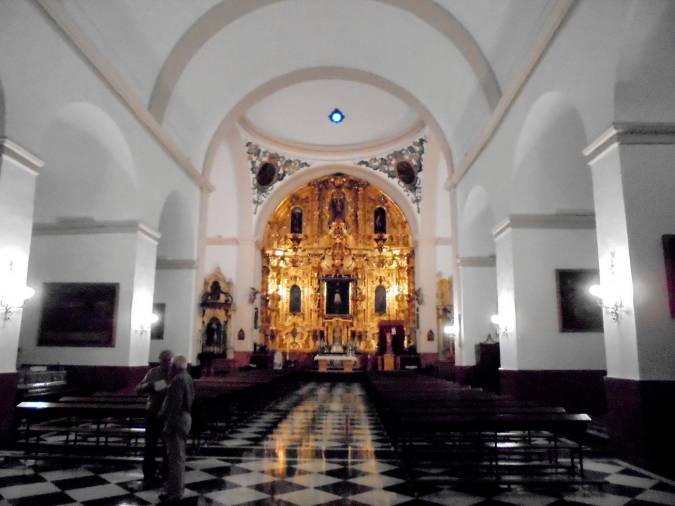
x,y
320,445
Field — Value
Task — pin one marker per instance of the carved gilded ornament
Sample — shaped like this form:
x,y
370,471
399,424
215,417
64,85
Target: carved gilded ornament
x,y
319,281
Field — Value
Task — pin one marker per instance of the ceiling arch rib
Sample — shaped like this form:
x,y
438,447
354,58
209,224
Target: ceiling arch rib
x,y
221,15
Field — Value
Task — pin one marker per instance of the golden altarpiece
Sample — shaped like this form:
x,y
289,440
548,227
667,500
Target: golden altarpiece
x,y
337,259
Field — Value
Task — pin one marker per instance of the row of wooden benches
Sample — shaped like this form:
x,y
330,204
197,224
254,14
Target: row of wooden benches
x,y
477,435
115,422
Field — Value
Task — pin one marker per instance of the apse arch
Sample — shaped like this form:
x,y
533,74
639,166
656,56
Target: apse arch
x,y
645,73
84,147
320,73
177,239
476,223
287,187
550,173
219,16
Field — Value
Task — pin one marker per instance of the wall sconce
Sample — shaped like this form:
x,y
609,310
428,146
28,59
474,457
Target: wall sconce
x,y
500,325
14,299
608,299
13,292
145,327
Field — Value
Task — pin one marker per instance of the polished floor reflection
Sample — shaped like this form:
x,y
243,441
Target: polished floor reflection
x,y
323,444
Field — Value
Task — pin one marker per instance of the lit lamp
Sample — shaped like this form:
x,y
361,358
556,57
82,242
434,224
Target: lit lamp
x,y
500,325
608,300
13,300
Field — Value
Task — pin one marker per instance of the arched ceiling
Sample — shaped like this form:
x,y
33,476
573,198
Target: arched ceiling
x,y
192,63
298,115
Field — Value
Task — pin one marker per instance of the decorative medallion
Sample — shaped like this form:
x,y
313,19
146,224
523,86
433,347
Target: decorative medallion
x,y
403,165
266,169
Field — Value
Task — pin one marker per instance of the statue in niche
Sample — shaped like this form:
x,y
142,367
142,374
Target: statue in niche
x,y
213,334
380,300
296,220
295,300
338,207
380,220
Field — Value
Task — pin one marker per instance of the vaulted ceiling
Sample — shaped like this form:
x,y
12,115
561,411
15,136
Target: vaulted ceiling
x,y
278,67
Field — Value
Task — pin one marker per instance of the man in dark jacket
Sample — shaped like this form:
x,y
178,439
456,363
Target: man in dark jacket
x,y
154,385
175,413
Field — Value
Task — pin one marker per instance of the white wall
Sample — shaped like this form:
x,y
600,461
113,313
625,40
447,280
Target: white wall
x,y
479,303
175,288
127,258
541,345
17,189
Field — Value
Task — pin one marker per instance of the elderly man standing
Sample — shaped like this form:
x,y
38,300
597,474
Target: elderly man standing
x,y
177,422
154,385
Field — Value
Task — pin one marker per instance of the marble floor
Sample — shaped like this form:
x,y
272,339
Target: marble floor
x,y
321,445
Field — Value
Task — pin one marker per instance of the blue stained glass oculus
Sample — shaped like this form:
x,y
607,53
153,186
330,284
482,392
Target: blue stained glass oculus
x,y
336,116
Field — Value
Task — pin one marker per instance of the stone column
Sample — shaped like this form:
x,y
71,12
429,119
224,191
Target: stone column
x,y
478,294
634,186
89,251
18,171
540,358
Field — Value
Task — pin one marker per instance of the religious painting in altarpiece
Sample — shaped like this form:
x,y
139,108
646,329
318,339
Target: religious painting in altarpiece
x,y
326,285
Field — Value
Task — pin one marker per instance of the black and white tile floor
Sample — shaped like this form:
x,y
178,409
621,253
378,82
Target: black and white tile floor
x,y
323,445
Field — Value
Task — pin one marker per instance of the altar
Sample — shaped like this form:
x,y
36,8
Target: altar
x,y
325,360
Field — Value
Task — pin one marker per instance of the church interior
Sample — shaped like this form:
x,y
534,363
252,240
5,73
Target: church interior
x,y
414,251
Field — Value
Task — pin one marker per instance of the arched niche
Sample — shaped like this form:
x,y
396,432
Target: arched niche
x,y
645,78
476,224
550,173
89,169
176,227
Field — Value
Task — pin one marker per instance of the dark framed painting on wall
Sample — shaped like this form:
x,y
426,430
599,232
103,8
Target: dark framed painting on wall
x,y
578,310
669,257
157,328
78,314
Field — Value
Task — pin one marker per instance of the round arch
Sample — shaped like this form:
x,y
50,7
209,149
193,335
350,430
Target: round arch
x,y
307,175
225,13
84,147
550,173
177,239
476,224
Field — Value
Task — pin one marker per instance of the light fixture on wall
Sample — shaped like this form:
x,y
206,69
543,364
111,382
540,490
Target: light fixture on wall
x,y
609,300
499,322
13,293
608,294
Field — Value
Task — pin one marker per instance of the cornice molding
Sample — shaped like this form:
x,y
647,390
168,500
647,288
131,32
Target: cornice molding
x,y
112,78
222,241
24,158
87,226
487,261
561,11
176,264
630,134
584,221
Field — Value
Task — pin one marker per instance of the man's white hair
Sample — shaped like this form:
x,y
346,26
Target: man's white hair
x,y
180,362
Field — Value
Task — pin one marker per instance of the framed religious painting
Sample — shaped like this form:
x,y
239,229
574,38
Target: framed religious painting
x,y
78,314
337,296
578,310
